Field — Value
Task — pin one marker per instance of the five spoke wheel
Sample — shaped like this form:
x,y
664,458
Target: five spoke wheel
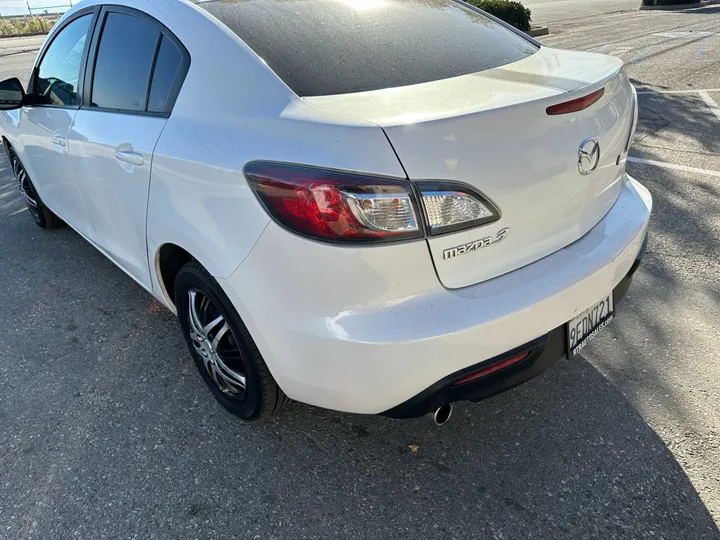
x,y
223,350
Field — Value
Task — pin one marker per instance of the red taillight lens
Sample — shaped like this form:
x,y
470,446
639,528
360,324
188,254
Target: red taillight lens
x,y
335,205
576,104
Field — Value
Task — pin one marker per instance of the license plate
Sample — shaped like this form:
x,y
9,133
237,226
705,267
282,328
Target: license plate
x,y
588,324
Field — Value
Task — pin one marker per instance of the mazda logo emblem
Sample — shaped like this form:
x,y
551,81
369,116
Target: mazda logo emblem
x,y
588,156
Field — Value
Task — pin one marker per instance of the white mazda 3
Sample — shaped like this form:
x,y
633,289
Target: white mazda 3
x,y
374,206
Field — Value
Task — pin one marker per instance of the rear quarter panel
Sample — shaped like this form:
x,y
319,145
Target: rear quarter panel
x,y
199,198
232,110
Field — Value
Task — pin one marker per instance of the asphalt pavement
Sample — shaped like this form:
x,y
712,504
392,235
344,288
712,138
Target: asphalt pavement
x,y
107,431
17,56
552,11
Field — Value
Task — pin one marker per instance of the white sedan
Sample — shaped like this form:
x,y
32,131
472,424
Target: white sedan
x,y
374,206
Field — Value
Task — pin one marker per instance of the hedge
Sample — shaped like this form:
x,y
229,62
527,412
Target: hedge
x,y
513,13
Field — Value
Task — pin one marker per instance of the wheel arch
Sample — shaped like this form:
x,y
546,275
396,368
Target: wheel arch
x,y
9,148
169,258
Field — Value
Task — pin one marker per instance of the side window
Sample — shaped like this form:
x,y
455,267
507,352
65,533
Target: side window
x,y
59,71
167,77
124,63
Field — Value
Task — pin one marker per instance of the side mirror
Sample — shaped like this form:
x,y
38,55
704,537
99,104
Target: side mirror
x,y
12,94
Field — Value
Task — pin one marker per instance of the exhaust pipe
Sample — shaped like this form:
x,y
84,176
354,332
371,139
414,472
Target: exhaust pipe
x,y
442,414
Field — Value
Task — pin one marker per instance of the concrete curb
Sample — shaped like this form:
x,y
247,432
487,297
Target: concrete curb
x,y
24,35
538,31
671,7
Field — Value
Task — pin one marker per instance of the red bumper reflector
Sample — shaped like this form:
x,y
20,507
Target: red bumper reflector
x,y
492,369
576,104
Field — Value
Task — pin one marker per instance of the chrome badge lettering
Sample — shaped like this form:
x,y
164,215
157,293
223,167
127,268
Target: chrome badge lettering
x,y
474,246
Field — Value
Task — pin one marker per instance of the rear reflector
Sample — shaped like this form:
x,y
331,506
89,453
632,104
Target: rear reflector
x,y
576,104
492,369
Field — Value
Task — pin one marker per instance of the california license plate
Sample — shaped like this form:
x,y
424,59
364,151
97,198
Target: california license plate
x,y
588,324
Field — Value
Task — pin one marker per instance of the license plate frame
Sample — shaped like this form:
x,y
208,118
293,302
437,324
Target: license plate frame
x,y
582,328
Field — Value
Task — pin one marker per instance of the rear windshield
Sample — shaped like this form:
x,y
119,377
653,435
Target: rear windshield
x,y
327,47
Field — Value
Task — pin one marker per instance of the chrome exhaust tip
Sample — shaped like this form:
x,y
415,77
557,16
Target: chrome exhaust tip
x,y
443,414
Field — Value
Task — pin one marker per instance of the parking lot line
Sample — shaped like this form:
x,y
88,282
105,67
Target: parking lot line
x,y
678,91
710,102
674,166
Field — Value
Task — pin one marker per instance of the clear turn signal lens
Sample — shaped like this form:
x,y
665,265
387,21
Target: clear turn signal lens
x,y
452,210
389,212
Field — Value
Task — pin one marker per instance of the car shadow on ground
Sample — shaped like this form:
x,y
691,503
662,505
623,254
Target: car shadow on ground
x,y
709,10
656,352
107,430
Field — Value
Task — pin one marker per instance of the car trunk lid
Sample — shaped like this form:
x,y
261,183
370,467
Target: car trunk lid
x,y
492,130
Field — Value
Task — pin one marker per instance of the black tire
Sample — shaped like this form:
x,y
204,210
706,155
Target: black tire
x,y
261,396
40,213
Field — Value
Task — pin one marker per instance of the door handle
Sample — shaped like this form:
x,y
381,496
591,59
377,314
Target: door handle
x,y
131,157
59,140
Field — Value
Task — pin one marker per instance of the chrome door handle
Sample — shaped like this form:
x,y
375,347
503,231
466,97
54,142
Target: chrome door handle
x,y
59,140
130,157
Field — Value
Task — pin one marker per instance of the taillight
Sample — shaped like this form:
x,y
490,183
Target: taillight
x,y
341,206
576,105
450,207
335,205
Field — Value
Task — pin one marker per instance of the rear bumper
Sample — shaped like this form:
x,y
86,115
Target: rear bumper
x,y
542,353
368,330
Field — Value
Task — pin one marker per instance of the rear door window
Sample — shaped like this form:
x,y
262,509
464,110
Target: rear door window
x,y
166,77
124,63
326,47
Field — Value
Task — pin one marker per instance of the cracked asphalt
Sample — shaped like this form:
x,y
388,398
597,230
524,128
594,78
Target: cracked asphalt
x,y
106,429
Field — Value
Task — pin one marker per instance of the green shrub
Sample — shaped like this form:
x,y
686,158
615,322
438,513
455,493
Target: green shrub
x,y
6,28
27,25
513,13
38,24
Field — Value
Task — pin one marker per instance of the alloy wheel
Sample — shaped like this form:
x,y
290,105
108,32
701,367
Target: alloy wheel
x,y
216,344
26,189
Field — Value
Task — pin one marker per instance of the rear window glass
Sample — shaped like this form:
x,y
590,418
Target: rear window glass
x,y
327,47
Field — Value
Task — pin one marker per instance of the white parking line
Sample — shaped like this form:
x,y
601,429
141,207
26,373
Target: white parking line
x,y
674,166
710,102
639,56
678,91
685,34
